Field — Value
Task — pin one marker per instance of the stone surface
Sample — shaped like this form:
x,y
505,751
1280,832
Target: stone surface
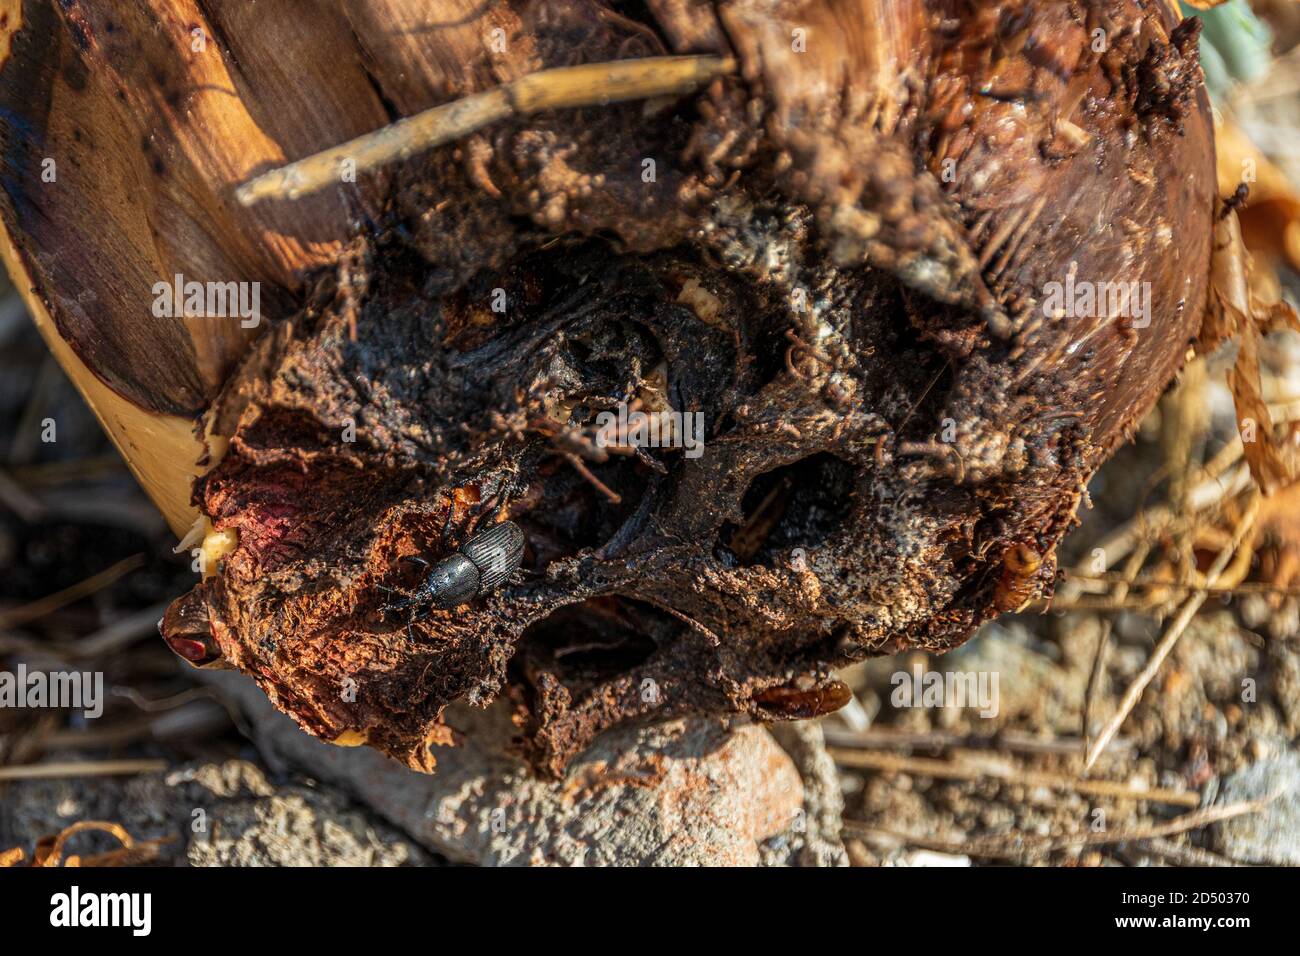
x,y
693,792
285,826
215,814
817,841
1272,835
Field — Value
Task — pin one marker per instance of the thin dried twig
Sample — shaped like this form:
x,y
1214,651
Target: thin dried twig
x,y
1011,741
49,850
121,633
19,500
83,768
1131,568
1184,421
560,88
949,770
22,448
116,830
1020,844
195,712
1146,524
581,468
1173,632
1157,584
77,471
1223,477
1182,855
1188,821
52,602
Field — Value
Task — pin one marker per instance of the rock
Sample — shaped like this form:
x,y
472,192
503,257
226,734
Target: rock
x,y
817,841
225,814
289,826
32,809
1270,836
688,792
929,858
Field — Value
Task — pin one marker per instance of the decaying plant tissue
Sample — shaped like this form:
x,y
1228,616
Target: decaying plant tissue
x,y
621,362
890,416
842,263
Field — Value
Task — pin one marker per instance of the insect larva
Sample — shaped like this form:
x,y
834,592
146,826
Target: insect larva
x,y
792,702
1019,581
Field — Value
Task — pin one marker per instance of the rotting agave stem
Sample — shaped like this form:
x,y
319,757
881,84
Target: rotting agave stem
x,y
562,87
849,290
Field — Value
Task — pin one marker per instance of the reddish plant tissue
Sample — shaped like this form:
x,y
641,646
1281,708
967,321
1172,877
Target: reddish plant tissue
x,y
841,261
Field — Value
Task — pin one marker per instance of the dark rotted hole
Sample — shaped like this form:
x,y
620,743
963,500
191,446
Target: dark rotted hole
x,y
600,354
597,639
765,327
636,10
796,505
577,514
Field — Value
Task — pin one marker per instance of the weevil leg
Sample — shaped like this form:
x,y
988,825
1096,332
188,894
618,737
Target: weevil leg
x,y
407,600
499,501
450,524
418,616
485,510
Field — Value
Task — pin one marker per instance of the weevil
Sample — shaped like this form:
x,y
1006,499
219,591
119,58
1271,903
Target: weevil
x,y
480,566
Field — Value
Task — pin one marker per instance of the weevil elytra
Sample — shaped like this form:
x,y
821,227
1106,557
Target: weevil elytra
x,y
482,564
